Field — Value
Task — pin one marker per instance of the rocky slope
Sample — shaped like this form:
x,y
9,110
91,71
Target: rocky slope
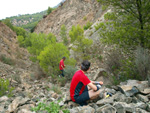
x,y
14,61
124,99
72,12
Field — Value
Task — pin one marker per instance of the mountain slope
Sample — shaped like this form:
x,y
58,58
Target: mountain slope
x,y
71,12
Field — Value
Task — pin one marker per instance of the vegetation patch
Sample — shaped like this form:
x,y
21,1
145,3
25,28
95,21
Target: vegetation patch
x,y
5,88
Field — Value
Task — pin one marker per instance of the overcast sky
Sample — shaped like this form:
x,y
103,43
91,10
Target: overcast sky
x,y
10,8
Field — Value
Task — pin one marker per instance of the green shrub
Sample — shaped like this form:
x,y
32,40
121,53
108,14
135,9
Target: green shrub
x,y
142,62
5,88
6,60
50,108
69,72
88,25
80,43
104,7
50,57
63,34
84,18
20,40
100,25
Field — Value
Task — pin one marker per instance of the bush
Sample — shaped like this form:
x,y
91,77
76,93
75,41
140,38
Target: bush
x,y
50,108
69,72
5,88
99,25
142,62
88,25
50,57
80,43
20,40
38,43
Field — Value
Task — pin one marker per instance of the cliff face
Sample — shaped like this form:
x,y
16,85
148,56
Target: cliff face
x,y
71,12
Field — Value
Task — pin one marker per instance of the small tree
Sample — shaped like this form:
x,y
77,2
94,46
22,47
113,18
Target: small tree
x,y
131,24
39,42
63,34
50,57
81,44
49,10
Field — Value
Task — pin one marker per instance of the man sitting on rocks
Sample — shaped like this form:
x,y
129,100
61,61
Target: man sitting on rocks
x,y
81,88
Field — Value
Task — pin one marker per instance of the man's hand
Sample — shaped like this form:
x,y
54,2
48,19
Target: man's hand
x,y
100,82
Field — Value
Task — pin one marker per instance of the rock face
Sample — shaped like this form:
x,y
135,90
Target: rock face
x,y
72,12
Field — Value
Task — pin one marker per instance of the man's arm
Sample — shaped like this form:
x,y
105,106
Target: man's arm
x,y
93,86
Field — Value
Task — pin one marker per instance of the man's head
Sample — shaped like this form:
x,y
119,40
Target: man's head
x,y
64,58
85,65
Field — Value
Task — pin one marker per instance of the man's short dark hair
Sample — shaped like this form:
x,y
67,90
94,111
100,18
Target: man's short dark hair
x,y
85,65
64,58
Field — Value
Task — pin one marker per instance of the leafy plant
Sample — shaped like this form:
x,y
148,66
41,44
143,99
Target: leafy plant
x,y
63,34
88,25
5,88
129,24
80,43
50,108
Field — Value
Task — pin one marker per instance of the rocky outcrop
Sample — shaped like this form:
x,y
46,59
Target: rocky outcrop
x,y
72,12
29,95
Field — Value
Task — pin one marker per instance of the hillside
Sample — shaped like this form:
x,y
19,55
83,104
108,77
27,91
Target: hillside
x,y
13,59
27,21
71,12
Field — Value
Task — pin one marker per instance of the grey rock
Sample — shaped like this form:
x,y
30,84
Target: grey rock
x,y
16,102
105,101
142,98
106,109
138,110
3,98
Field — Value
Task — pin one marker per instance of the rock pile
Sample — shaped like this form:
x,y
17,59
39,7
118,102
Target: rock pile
x,y
29,95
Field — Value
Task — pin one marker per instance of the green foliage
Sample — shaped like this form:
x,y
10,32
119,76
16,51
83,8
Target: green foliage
x,y
69,72
20,40
50,57
88,25
8,23
49,10
5,88
84,18
63,34
131,24
6,60
50,108
80,43
39,42
76,33
100,25
20,31
32,20
104,7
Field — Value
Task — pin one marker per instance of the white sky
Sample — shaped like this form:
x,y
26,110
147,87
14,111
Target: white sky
x,y
10,8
